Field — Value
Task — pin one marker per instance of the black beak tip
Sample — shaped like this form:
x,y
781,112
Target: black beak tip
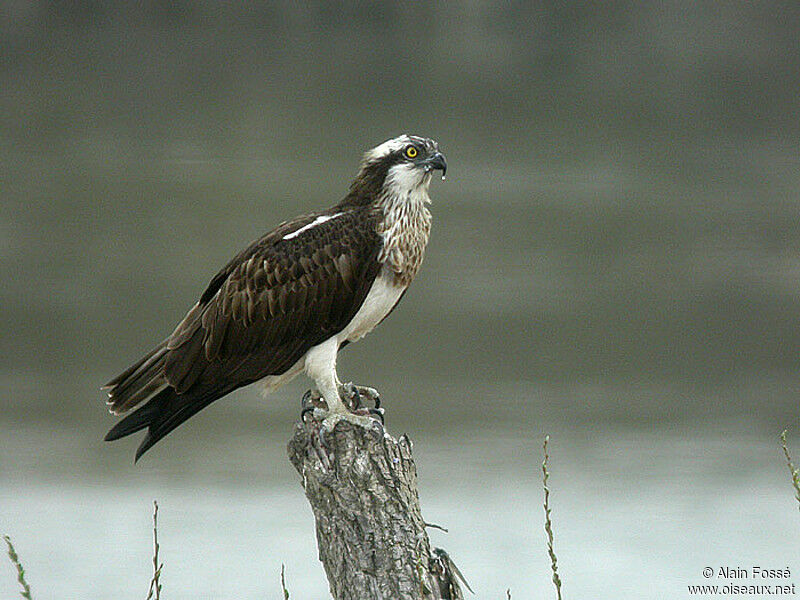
x,y
437,161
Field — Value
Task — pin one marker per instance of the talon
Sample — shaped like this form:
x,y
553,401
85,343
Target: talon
x,y
350,394
377,431
378,412
311,398
404,439
305,411
318,443
356,394
372,394
311,402
323,442
361,418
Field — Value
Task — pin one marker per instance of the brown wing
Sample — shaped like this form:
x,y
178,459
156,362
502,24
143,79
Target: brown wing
x,y
258,316
275,301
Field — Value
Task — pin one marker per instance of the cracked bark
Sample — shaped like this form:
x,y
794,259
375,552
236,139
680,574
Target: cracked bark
x,y
370,531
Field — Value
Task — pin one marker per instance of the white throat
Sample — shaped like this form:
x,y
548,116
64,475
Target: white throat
x,y
407,182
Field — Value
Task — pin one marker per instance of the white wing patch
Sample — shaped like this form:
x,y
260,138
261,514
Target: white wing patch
x,y
318,221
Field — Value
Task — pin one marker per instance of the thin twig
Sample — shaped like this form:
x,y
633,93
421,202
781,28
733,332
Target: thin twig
x,y
548,525
283,583
435,526
12,554
792,469
155,583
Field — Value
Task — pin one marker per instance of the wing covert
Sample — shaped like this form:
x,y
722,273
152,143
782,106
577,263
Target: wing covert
x,y
275,300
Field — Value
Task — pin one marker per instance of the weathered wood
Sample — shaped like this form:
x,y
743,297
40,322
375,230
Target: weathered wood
x,y
370,531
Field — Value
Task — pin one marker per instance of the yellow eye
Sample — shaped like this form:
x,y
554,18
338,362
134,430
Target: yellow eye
x,y
411,152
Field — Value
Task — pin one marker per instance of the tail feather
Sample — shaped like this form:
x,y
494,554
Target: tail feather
x,y
162,413
144,374
174,410
140,418
134,367
139,382
149,389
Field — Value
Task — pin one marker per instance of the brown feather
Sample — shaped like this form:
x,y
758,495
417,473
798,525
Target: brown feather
x,y
258,316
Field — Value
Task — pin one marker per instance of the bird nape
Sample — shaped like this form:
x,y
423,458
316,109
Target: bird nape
x,y
291,299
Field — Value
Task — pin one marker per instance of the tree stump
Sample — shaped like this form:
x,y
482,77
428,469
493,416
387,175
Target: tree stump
x,y
370,531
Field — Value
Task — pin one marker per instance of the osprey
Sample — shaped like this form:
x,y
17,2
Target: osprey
x,y
289,301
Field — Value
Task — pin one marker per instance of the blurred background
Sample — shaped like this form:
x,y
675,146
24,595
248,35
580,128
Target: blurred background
x,y
615,261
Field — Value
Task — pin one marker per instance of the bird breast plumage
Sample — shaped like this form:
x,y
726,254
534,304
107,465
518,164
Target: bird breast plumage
x,y
384,293
405,230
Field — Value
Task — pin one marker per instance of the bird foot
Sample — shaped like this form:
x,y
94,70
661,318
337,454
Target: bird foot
x,y
313,405
373,426
354,396
350,410
312,401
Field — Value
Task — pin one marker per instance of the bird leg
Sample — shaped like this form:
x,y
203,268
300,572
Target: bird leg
x,y
320,365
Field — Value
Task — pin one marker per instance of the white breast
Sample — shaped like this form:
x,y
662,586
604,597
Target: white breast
x,y
380,300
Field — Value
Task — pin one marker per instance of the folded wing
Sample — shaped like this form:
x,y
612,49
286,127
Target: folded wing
x,y
287,292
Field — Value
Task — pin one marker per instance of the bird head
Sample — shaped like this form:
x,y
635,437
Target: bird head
x,y
398,167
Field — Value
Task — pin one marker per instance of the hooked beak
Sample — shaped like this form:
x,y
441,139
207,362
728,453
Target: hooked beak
x,y
437,161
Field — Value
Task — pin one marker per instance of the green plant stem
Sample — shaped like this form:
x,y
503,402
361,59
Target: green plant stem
x,y
12,554
155,582
548,525
792,469
283,583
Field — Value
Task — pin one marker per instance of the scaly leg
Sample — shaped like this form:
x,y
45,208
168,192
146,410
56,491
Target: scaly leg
x,y
321,367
